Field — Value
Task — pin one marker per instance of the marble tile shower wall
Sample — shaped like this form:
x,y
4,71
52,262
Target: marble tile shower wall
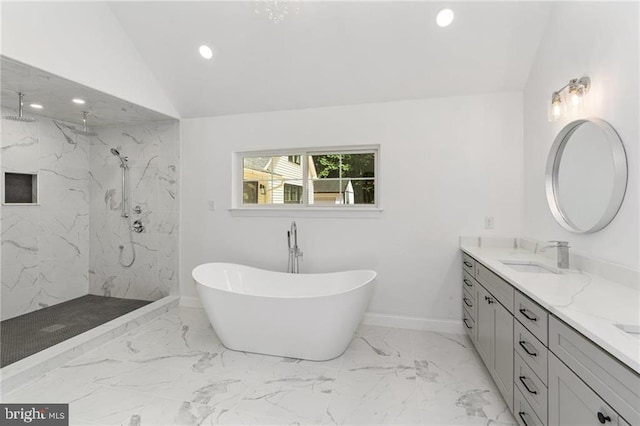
x,y
152,150
45,247
67,245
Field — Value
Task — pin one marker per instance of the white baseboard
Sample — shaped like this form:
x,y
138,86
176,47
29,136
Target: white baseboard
x,y
382,320
414,323
190,302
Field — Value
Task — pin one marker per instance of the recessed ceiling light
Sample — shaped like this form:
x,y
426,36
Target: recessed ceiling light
x,y
36,106
206,52
444,18
78,101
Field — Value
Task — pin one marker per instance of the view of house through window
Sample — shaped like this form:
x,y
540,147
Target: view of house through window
x,y
310,179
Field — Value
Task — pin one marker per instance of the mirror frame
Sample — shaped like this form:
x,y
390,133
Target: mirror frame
x,y
620,175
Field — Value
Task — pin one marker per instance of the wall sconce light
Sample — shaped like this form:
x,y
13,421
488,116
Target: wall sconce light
x,y
263,189
569,98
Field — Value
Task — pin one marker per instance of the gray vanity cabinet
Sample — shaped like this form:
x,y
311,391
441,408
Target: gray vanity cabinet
x,y
494,340
547,372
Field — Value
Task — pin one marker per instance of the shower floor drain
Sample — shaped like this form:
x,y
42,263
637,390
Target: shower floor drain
x,y
52,328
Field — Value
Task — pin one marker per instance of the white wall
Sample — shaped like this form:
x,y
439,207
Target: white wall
x,y
445,164
83,42
599,40
45,247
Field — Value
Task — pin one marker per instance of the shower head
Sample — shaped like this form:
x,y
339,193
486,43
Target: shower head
x,y
19,117
123,160
84,131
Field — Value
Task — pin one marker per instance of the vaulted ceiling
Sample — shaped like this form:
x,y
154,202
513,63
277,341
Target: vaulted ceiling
x,y
331,52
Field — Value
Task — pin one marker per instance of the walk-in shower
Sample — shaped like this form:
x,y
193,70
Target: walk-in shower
x,y
61,271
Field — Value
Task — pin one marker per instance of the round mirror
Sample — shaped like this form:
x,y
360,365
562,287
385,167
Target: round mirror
x,y
586,175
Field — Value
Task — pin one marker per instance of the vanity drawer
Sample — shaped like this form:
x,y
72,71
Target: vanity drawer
x,y
532,316
469,302
468,281
614,382
522,411
532,388
469,324
531,350
468,264
498,287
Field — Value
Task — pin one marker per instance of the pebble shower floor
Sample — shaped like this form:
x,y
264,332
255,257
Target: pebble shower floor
x,y
175,371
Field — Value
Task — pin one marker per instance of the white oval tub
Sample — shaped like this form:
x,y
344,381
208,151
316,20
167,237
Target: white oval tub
x,y
306,316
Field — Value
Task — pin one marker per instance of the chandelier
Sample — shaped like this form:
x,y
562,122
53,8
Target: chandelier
x,y
277,10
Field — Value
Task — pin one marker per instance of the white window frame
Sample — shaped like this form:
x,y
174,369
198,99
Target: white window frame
x,y
257,209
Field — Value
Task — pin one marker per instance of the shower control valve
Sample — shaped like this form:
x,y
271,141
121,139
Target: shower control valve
x,y
138,227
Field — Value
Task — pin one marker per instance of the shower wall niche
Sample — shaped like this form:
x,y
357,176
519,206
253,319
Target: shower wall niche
x,y
67,244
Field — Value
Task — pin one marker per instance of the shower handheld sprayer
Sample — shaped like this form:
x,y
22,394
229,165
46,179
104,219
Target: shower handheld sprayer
x,y
124,208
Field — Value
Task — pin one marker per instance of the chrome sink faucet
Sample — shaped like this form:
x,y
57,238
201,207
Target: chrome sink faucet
x,y
293,267
563,252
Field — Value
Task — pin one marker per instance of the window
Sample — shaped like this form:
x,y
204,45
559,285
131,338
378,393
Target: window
x,y
295,159
292,193
250,192
310,178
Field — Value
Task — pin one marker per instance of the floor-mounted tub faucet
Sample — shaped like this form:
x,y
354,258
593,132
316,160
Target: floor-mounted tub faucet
x,y
563,252
295,253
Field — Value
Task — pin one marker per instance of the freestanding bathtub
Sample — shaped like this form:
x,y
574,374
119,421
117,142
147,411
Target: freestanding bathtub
x,y
307,316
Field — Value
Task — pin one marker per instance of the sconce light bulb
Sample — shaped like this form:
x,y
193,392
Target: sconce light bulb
x,y
556,107
575,98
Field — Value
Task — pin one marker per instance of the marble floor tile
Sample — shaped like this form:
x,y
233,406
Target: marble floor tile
x,y
363,398
391,342
175,371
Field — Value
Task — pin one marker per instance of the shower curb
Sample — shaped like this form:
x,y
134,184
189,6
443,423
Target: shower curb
x,y
24,371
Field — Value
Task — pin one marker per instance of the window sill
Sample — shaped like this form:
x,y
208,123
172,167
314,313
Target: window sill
x,y
321,212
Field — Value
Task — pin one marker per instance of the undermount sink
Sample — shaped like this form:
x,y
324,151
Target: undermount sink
x,y
530,267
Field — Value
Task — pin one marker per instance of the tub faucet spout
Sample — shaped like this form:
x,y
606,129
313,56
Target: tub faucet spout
x,y
295,253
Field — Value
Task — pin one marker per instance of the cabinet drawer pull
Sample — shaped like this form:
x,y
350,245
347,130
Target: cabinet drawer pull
x,y
522,379
602,418
522,414
465,300
522,344
467,264
467,282
523,311
465,323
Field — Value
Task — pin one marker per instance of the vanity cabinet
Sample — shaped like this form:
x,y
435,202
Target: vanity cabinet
x,y
494,334
531,360
548,373
469,306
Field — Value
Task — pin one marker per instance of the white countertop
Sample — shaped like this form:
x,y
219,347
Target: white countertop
x,y
590,304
